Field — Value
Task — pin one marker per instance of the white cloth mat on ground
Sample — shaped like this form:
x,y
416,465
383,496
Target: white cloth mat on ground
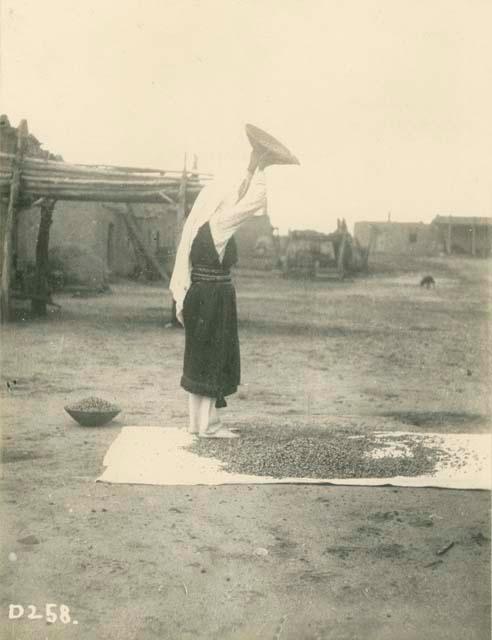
x,y
157,456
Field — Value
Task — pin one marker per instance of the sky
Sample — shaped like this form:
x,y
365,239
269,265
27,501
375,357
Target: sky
x,y
387,103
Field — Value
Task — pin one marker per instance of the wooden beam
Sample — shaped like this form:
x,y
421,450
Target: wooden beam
x,y
9,222
116,196
167,198
32,180
139,244
6,160
37,167
102,193
41,293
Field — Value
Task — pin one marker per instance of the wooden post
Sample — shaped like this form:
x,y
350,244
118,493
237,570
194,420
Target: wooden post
x,y
181,210
9,222
41,293
180,220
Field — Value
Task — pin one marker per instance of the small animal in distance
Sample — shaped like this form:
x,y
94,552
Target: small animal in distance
x,y
428,282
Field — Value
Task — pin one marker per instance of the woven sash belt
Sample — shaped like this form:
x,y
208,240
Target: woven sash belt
x,y
209,274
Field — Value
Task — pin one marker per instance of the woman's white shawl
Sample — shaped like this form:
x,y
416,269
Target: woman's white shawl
x,y
211,199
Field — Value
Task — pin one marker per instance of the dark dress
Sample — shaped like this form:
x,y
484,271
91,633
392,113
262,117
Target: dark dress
x,y
211,359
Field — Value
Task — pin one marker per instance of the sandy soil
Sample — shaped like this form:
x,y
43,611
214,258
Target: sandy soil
x,y
290,562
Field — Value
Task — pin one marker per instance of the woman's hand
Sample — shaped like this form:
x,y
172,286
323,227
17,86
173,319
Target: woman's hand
x,y
253,162
256,161
259,160
244,186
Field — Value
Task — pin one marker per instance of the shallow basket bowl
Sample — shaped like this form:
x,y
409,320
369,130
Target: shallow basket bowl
x,y
92,418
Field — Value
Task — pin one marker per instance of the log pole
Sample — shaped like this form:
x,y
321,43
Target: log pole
x,y
180,220
9,223
60,165
41,293
181,210
139,244
118,195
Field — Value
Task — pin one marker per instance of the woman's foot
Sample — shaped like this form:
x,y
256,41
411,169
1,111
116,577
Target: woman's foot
x,y
220,433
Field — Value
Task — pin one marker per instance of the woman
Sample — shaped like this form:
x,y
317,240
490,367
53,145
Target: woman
x,y
204,293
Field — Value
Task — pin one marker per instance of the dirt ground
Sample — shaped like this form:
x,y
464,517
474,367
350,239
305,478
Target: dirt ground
x,y
245,562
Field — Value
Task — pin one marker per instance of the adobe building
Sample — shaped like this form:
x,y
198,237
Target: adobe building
x,y
465,235
398,238
451,235
100,231
93,227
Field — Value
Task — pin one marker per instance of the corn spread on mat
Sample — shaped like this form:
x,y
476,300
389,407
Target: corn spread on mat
x,y
171,456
